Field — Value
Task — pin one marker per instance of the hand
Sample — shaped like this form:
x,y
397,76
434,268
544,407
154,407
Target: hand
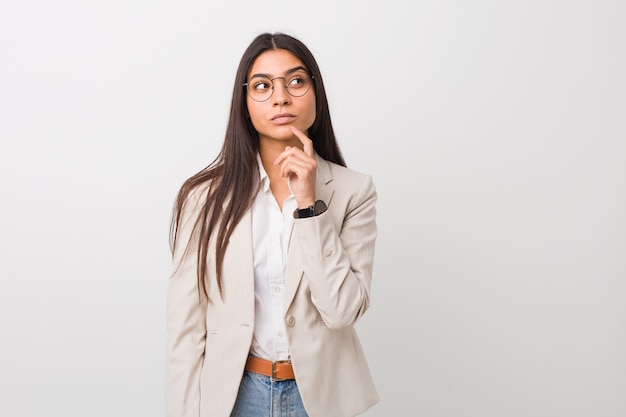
x,y
299,167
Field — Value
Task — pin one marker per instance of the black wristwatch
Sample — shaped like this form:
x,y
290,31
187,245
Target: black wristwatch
x,y
315,209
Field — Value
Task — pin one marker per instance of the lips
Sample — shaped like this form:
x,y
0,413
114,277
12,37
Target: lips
x,y
283,118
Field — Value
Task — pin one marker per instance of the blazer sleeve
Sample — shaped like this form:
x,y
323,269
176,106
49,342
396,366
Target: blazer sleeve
x,y
186,327
337,249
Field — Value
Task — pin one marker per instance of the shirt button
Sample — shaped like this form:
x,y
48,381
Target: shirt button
x,y
276,289
280,334
328,252
291,320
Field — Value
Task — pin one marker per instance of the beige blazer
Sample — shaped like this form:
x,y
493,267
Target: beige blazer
x,y
327,290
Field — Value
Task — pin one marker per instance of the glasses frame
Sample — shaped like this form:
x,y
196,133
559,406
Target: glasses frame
x,y
311,78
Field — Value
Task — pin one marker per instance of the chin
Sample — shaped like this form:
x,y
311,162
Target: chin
x,y
284,132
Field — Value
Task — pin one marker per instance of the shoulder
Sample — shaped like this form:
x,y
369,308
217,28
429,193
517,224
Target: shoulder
x,y
191,200
349,188
331,171
340,176
196,196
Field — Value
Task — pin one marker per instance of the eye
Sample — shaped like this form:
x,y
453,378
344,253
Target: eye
x,y
297,81
261,85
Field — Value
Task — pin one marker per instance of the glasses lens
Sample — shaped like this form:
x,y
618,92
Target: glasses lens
x,y
298,84
260,89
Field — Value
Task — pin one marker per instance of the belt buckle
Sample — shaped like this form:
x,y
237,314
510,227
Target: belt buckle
x,y
275,371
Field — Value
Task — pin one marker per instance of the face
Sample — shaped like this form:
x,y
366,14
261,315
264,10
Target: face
x,y
274,117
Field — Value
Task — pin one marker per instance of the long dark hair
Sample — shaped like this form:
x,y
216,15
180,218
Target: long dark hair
x,y
228,185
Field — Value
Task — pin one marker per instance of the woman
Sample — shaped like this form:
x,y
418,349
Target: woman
x,y
273,247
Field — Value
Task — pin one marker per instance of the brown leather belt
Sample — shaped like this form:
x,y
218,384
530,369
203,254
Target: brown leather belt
x,y
276,370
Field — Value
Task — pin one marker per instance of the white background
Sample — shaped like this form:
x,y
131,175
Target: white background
x,y
494,131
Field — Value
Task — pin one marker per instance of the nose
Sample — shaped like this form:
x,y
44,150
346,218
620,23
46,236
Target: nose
x,y
280,94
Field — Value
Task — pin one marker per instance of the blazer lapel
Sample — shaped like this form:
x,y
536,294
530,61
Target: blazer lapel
x,y
323,191
240,263
324,176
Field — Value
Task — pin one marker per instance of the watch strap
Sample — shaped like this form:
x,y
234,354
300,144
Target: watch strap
x,y
313,210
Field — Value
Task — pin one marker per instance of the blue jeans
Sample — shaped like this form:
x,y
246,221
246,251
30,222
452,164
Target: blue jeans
x,y
260,396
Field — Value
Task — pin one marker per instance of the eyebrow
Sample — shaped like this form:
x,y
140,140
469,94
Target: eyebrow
x,y
289,71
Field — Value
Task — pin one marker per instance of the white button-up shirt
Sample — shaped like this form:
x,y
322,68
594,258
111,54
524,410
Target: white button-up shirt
x,y
271,229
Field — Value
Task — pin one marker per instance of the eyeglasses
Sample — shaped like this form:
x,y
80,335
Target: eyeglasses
x,y
297,84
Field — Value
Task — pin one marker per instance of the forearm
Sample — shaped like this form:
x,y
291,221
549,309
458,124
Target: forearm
x,y
338,264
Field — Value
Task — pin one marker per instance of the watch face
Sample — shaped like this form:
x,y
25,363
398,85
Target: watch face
x,y
319,207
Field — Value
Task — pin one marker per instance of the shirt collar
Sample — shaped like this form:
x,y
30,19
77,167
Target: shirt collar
x,y
264,180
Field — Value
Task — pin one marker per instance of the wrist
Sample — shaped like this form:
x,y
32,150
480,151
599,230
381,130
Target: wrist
x,y
313,210
305,204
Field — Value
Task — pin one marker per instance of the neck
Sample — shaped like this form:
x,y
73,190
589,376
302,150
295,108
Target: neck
x,y
270,149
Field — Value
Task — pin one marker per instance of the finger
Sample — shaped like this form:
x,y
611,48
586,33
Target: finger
x,y
283,155
291,152
296,163
300,167
308,143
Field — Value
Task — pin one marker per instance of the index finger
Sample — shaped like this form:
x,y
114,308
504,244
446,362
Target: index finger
x,y
306,141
